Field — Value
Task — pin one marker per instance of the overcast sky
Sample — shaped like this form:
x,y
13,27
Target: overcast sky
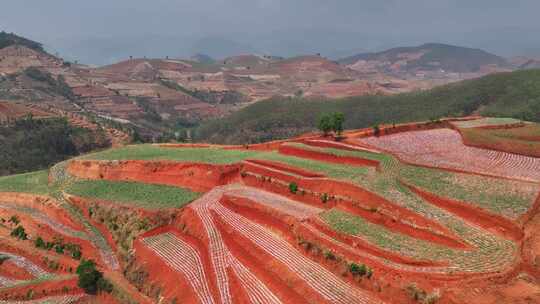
x,y
94,28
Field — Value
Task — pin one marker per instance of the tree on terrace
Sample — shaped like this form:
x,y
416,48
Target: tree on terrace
x,y
332,122
91,279
325,124
338,119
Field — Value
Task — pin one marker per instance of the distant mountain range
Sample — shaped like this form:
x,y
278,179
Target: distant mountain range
x,y
161,95
431,57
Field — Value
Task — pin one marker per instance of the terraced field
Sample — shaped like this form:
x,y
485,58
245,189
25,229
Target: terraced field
x,y
443,148
136,194
518,138
412,217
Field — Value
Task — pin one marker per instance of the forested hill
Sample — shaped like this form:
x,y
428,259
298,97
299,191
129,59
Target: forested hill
x,y
515,94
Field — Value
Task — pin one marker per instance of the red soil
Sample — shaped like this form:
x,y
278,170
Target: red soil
x,y
283,167
45,204
10,270
397,224
475,215
103,230
530,251
358,201
197,177
42,289
326,157
201,248
172,285
281,187
327,144
27,250
368,247
273,219
270,271
238,293
35,229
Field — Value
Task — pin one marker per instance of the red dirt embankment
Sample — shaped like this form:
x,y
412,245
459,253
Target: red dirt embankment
x,y
42,290
475,215
271,272
406,127
290,229
352,199
12,271
284,167
273,219
45,204
326,157
195,176
173,286
172,283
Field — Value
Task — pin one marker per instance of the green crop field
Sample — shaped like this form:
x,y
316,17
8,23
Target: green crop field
x,y
486,122
523,140
34,182
481,258
505,197
154,152
341,152
141,195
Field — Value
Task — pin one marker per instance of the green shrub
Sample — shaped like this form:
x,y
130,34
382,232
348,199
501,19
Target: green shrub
x,y
293,187
19,233
39,243
324,198
90,279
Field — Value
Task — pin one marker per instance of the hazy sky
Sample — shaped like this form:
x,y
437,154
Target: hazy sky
x,y
93,28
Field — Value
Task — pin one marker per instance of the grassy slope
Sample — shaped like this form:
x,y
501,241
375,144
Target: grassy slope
x,y
500,196
137,194
34,182
515,94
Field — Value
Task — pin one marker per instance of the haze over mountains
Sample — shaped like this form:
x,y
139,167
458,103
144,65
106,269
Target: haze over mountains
x,y
100,32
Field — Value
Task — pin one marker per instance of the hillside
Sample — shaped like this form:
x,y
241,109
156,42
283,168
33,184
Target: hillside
x,y
9,39
31,144
426,58
515,94
414,214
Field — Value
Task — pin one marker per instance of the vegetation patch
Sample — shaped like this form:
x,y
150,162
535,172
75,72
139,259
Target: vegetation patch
x,y
524,140
34,182
32,144
140,195
515,95
154,152
506,197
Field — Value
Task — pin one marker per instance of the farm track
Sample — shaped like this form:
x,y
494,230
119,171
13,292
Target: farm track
x,y
59,176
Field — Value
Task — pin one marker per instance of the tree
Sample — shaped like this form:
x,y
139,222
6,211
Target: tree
x,y
293,187
19,233
338,119
325,124
39,242
91,279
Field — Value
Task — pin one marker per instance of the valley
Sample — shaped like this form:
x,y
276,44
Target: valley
x,y
377,217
